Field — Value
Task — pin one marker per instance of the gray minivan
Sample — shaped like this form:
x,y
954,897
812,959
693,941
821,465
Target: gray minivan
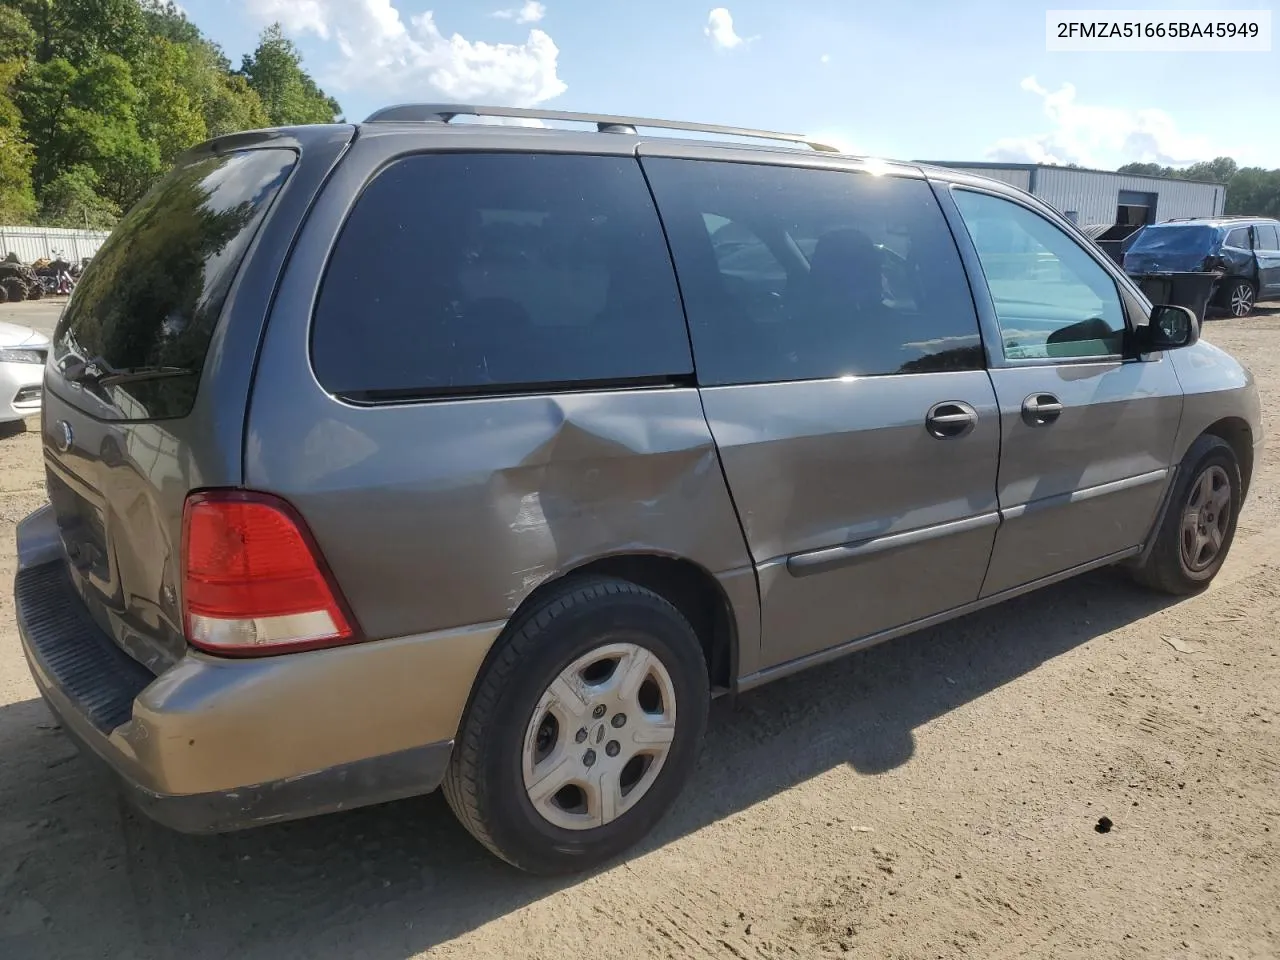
x,y
421,453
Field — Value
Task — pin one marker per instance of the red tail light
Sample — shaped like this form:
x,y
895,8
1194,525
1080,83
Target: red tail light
x,y
253,581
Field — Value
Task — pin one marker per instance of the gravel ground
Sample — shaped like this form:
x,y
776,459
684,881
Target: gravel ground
x,y
933,797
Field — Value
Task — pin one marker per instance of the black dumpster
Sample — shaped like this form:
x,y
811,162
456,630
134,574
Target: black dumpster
x,y
1113,249
1191,290
1113,238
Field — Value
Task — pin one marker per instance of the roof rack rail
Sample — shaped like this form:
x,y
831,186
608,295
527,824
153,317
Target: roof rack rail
x,y
445,112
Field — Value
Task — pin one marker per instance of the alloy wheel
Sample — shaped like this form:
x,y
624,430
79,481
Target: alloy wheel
x,y
1206,519
1241,300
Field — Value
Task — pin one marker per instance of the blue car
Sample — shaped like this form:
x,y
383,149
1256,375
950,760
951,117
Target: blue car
x,y
1243,251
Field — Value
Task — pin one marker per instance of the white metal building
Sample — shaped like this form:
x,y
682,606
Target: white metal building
x,y
36,243
1103,196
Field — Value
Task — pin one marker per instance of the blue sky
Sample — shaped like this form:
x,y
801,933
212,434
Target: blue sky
x,y
913,79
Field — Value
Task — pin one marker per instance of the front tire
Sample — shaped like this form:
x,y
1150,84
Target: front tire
x,y
582,729
1200,522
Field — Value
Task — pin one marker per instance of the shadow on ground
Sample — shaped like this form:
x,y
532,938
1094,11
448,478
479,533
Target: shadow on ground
x,y
81,875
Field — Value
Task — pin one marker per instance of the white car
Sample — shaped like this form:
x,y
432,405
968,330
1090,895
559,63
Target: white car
x,y
22,355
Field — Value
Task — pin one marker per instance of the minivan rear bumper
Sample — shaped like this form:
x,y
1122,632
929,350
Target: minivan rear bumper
x,y
213,745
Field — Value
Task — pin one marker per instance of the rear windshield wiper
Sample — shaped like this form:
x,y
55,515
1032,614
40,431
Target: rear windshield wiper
x,y
138,374
92,373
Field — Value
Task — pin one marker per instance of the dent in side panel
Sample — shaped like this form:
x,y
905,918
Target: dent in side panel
x,y
445,514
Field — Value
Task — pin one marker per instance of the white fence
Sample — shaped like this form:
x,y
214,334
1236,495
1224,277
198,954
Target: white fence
x,y
35,243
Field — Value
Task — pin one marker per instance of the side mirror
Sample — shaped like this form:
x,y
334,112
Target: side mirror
x,y
1170,327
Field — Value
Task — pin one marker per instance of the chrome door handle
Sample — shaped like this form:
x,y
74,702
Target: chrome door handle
x,y
950,420
1041,409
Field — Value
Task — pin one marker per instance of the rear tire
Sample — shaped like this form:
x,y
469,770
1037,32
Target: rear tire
x,y
600,694
1199,524
1238,297
4,295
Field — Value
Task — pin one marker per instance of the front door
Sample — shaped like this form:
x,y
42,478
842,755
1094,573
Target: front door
x,y
1087,435
842,375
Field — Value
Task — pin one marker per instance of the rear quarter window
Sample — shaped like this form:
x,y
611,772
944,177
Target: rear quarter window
x,y
151,298
466,274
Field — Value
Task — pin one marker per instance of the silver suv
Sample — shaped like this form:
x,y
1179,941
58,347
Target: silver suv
x,y
420,453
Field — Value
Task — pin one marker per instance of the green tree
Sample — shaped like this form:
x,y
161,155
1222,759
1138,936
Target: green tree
x,y
1254,192
44,97
1218,170
167,20
289,94
72,200
87,117
225,100
99,97
17,194
233,106
17,38
170,111
81,30
1146,170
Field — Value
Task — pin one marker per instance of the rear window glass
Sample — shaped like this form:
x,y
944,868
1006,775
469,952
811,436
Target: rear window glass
x,y
1189,239
483,273
150,299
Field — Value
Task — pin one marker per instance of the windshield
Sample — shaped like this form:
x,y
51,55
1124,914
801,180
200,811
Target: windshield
x,y
1191,238
152,296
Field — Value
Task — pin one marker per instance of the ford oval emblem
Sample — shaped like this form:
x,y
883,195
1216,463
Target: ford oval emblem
x,y
65,437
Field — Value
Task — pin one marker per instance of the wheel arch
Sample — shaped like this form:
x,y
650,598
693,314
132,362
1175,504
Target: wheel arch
x,y
1239,436
687,585
1223,292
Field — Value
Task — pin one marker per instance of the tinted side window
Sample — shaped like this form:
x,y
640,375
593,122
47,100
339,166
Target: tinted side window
x,y
795,274
483,272
1239,238
1267,237
1052,299
152,296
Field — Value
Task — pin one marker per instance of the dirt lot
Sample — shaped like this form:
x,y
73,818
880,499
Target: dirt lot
x,y
934,797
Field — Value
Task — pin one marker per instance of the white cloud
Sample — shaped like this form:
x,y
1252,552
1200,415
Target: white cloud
x,y
531,12
1099,136
295,16
720,29
376,48
825,58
